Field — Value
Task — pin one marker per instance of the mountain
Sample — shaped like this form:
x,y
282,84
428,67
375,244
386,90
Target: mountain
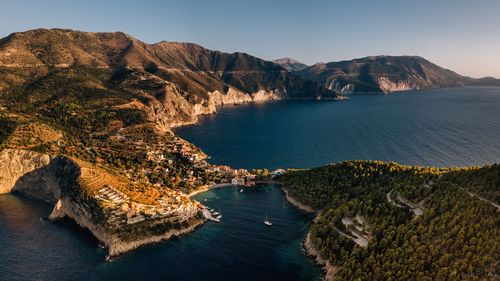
x,y
382,74
485,81
177,81
85,123
290,64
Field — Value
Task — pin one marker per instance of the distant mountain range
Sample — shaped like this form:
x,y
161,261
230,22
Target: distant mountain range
x,y
290,64
385,74
176,82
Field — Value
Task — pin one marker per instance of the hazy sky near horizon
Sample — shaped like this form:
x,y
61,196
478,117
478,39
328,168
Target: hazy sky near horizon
x,y
457,34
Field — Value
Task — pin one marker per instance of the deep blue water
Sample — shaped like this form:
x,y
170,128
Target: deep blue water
x,y
452,127
241,247
444,127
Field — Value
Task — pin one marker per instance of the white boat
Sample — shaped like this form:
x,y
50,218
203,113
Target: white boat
x,y
267,221
241,190
218,217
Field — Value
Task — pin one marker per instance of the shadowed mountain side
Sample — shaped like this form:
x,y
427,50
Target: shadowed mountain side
x,y
196,79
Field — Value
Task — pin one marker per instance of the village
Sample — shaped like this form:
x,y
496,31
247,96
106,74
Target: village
x,y
121,209
174,168
178,164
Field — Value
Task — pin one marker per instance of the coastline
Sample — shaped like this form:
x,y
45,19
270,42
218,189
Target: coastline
x,y
312,252
115,245
328,269
207,188
297,204
120,248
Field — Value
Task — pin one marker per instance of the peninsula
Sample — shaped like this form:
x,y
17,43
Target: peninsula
x,y
383,221
85,123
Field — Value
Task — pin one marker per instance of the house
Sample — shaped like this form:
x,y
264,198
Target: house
x,y
238,181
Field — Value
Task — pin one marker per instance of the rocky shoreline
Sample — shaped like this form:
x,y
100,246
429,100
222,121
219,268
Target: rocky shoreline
x,y
307,245
116,246
121,248
314,253
297,204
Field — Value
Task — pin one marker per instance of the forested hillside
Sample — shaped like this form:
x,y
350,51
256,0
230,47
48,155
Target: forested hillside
x,y
384,221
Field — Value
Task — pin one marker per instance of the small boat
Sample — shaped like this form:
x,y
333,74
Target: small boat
x,y
218,217
267,221
241,190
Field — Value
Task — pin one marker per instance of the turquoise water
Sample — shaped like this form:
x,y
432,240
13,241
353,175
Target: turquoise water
x,y
444,127
450,127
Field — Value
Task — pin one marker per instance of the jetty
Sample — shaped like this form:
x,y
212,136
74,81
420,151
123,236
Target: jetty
x,y
208,215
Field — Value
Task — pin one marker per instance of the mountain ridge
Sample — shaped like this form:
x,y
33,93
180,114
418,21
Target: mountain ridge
x,y
291,64
179,81
384,73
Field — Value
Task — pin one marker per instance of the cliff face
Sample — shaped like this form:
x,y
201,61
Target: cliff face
x,y
28,172
382,74
64,181
186,79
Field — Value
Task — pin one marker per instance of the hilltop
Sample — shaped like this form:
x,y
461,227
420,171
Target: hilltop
x,y
181,79
387,74
291,64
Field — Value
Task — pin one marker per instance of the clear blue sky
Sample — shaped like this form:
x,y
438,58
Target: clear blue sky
x,y
458,34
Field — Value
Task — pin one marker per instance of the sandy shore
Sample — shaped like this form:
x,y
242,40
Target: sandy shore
x,y
207,188
296,203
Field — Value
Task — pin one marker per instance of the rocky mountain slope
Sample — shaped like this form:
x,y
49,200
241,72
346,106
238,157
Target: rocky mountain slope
x,y
176,80
290,64
382,74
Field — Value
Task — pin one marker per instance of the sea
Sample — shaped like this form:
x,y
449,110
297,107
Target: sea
x,y
442,127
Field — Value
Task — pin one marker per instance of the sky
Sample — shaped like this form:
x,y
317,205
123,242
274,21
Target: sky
x,y
461,35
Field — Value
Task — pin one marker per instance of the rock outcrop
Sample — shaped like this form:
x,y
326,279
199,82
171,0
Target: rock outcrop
x,y
28,172
61,180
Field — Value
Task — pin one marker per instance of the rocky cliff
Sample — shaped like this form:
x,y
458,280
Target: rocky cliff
x,y
28,172
382,74
176,80
71,187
